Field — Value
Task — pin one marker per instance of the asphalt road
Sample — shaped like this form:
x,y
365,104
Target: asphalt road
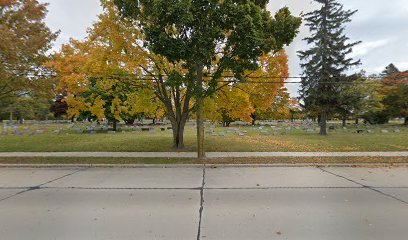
x,y
195,203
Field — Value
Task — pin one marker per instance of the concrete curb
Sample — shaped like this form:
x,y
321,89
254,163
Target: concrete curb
x,y
209,154
277,165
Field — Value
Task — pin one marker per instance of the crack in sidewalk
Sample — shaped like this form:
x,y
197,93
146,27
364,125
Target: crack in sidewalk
x,y
201,205
37,187
365,186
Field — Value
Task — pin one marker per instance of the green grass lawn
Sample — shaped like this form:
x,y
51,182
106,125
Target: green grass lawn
x,y
295,140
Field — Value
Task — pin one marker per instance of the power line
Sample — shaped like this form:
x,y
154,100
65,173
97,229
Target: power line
x,y
153,78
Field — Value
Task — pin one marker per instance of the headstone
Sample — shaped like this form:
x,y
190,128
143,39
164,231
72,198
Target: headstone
x,y
384,131
275,133
310,130
93,132
397,130
56,131
370,131
18,133
111,132
39,131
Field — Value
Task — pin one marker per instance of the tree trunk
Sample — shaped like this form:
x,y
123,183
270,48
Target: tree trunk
x,y
178,137
323,121
200,113
356,120
406,121
178,132
114,125
344,119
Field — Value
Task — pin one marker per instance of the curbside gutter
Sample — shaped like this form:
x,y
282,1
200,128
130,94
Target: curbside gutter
x,y
277,165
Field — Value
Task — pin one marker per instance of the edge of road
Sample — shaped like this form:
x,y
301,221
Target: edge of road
x,y
210,155
276,165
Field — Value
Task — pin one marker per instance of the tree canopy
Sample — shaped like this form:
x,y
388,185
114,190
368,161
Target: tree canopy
x,y
210,38
24,42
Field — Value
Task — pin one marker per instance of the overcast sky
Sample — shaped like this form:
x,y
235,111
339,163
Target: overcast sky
x,y
381,25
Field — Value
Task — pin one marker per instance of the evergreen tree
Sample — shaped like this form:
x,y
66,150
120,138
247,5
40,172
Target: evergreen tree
x,y
326,62
390,70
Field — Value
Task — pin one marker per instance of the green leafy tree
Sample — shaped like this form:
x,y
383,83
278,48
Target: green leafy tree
x,y
325,63
353,97
210,38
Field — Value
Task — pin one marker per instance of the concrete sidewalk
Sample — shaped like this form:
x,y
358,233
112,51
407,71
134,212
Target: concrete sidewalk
x,y
204,203
209,154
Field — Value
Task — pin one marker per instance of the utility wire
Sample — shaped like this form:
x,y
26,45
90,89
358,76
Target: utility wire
x,y
151,78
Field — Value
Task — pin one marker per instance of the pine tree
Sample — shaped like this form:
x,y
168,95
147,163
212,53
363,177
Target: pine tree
x,y
326,62
389,70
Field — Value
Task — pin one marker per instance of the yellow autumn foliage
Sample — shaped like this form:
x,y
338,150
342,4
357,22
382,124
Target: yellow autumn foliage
x,y
97,109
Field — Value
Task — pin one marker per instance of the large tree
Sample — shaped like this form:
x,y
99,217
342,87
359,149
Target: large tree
x,y
210,38
395,90
390,70
328,59
95,73
247,101
353,97
24,42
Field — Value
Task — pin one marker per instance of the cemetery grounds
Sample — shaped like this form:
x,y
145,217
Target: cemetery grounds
x,y
273,136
